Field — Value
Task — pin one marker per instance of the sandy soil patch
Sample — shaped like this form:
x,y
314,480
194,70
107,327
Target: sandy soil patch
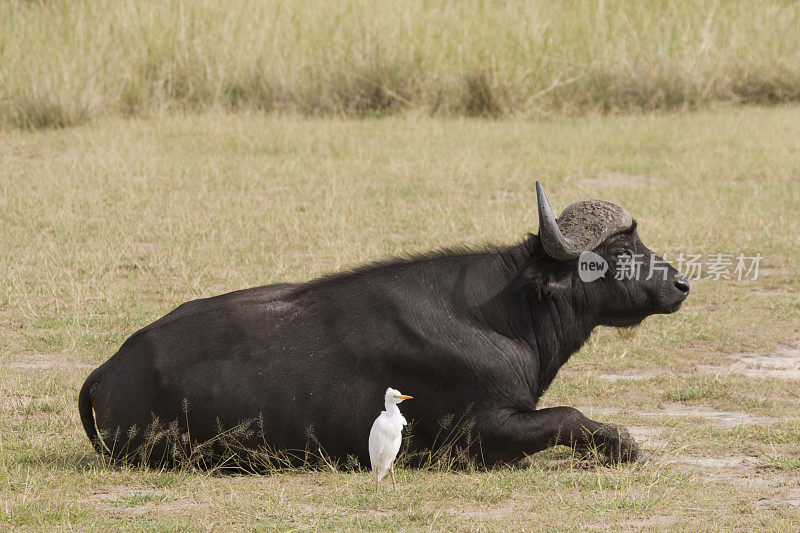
x,y
782,363
714,417
131,501
790,499
768,365
739,470
717,462
648,437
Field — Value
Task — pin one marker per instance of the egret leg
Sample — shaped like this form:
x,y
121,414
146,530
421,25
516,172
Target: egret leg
x,y
376,479
391,469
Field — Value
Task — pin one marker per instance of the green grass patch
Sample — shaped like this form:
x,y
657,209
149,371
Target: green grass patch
x,y
107,226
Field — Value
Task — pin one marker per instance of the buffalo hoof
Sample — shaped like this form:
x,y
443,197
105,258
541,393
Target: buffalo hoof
x,y
617,445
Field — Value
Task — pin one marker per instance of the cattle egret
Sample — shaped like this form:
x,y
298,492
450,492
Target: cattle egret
x,y
385,436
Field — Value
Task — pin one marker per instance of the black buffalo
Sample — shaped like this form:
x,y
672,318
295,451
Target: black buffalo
x,y
478,334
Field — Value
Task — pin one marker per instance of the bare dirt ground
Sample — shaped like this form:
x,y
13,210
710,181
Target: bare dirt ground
x,y
782,363
772,489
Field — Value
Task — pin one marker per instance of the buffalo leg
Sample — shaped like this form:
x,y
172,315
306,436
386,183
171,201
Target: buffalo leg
x,y
510,435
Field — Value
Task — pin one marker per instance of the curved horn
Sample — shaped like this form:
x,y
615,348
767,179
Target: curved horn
x,y
554,242
582,225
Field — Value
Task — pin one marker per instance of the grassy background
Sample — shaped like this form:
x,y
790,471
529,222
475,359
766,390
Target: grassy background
x,y
64,62
107,226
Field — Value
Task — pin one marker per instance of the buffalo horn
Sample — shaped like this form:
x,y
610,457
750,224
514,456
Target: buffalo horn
x,y
582,225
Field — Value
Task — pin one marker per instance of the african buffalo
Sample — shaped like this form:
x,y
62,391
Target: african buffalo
x,y
479,333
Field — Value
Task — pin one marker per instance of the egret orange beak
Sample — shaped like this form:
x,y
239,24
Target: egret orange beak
x,y
404,397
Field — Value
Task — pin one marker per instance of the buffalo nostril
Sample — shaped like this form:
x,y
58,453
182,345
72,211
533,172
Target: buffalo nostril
x,y
682,285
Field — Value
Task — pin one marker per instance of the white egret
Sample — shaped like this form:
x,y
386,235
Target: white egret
x,y
385,436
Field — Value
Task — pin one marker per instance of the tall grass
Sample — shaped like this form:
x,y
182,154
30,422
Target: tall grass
x,y
64,61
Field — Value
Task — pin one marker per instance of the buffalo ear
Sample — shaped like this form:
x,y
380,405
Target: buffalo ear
x,y
548,277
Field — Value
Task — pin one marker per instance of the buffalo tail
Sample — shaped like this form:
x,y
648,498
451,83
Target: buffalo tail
x,y
87,414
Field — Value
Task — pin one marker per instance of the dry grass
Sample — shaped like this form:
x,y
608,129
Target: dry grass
x,y
64,62
105,227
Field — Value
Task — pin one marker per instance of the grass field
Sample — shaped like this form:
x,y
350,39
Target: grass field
x,y
107,226
65,62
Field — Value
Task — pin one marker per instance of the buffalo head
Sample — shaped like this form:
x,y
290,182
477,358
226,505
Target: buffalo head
x,y
629,281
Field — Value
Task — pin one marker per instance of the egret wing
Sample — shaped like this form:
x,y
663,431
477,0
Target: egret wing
x,y
377,443
381,453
